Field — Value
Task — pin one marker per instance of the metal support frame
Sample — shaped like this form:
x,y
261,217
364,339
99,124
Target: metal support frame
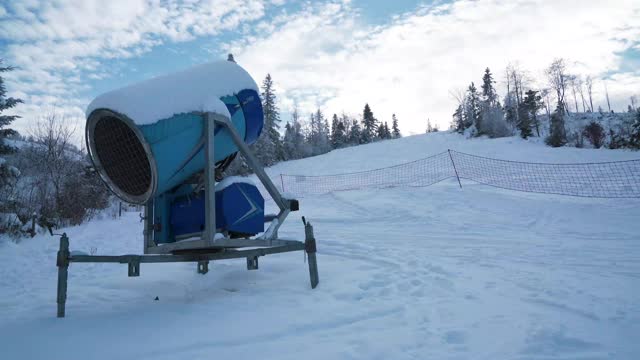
x,y
254,164
207,248
133,262
207,239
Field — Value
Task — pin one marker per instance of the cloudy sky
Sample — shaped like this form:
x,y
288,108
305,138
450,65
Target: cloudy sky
x,y
401,56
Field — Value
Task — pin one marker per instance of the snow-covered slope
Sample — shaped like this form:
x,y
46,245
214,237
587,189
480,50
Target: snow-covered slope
x,y
422,273
393,152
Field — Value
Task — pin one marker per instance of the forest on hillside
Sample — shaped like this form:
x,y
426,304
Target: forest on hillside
x,y
562,112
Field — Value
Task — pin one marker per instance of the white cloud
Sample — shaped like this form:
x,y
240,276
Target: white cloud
x,y
325,56
58,43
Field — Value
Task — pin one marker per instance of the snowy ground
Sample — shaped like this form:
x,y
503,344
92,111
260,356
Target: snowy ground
x,y
427,273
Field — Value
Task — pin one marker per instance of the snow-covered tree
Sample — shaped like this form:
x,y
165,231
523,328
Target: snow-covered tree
x,y
288,144
395,129
293,143
634,140
429,127
557,132
594,132
589,86
528,115
8,173
338,133
369,125
383,131
473,114
268,148
355,133
489,94
558,80
318,136
458,119
380,133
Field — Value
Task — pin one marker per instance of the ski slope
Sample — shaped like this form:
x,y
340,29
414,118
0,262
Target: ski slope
x,y
423,273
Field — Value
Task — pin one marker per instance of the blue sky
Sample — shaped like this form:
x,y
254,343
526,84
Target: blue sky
x,y
404,56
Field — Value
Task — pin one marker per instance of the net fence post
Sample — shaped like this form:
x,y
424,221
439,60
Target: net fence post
x,y
454,168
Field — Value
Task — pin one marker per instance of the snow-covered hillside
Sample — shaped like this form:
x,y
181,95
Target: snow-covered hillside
x,y
393,152
423,273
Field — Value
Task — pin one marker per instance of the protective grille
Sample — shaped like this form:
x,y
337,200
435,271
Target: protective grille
x,y
122,156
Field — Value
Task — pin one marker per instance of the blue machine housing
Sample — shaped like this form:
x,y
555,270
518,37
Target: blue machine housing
x,y
177,140
140,156
239,211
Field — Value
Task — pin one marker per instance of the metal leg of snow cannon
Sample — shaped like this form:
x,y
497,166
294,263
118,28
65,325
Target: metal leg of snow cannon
x,y
210,180
63,272
311,249
203,267
252,263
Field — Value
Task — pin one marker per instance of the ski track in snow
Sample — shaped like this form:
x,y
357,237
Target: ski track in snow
x,y
421,273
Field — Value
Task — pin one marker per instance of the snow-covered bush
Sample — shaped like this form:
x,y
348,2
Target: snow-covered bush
x,y
594,132
57,181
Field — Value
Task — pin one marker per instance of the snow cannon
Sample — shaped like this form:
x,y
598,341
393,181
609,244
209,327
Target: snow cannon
x,y
148,138
165,143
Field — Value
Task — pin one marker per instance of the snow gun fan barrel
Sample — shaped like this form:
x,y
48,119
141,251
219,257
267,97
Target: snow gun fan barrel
x,y
147,138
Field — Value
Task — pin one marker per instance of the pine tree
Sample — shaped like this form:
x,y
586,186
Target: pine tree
x,y
473,114
557,132
326,134
269,146
387,132
488,90
355,134
458,119
429,127
532,103
525,123
396,130
380,133
338,134
634,139
528,114
301,148
288,143
510,109
369,123
319,134
8,173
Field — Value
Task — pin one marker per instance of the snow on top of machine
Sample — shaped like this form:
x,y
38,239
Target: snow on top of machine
x,y
195,89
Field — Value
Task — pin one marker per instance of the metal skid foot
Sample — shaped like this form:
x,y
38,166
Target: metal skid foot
x,y
203,267
252,263
63,271
134,267
311,249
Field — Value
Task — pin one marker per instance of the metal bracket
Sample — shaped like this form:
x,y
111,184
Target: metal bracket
x,y
134,267
203,267
252,263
